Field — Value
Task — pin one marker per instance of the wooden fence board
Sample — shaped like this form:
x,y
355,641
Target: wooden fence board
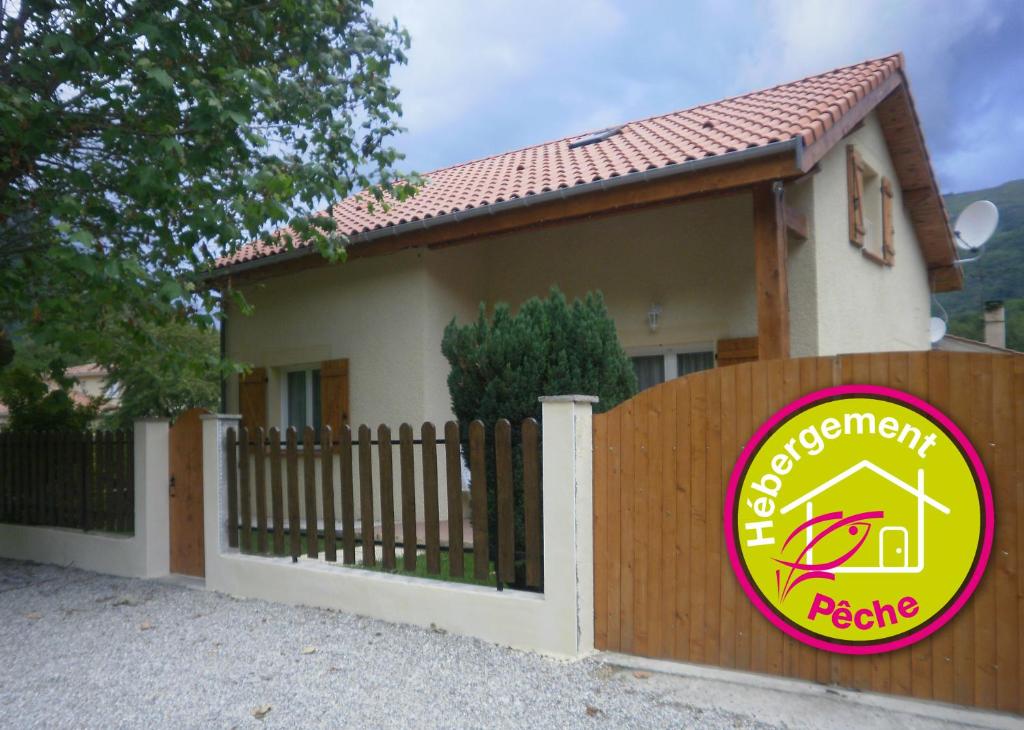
x,y
276,491
260,467
428,437
663,584
407,467
478,485
387,497
348,520
292,485
327,493
431,518
532,505
366,498
453,477
232,488
506,501
309,484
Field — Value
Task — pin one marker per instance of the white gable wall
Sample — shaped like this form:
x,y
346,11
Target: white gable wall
x,y
861,305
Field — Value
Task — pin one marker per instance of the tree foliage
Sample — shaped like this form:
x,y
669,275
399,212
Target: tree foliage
x,y
35,405
187,377
138,140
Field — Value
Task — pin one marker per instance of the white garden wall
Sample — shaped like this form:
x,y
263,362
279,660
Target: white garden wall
x,y
558,622
146,554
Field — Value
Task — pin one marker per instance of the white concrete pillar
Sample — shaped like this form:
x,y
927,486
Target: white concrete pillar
x,y
215,487
152,500
569,516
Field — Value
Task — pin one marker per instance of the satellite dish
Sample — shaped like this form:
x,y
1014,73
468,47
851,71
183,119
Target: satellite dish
x,y
975,225
936,329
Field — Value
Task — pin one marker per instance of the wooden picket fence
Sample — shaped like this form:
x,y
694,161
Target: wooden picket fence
x,y
260,521
83,481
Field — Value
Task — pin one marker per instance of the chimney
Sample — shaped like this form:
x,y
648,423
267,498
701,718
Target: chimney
x,y
995,324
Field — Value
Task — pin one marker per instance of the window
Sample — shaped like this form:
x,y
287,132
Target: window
x,y
595,137
660,365
650,370
872,201
301,405
694,362
870,208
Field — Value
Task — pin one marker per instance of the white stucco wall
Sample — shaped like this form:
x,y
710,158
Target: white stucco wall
x,y
387,314
370,311
694,259
861,305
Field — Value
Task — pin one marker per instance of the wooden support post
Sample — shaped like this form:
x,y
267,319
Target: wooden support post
x,y
770,267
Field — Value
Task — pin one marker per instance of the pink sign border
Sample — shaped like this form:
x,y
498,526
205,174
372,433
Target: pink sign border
x,y
848,391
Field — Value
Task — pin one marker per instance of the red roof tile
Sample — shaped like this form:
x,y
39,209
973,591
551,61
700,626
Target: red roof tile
x,y
807,108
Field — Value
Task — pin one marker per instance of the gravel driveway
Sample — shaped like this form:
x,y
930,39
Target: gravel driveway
x,y
82,649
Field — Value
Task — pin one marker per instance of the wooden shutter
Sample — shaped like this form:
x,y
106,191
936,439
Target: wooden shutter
x,y
888,252
735,351
855,195
252,398
334,394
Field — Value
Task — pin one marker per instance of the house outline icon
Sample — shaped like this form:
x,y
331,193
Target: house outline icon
x,y
917,492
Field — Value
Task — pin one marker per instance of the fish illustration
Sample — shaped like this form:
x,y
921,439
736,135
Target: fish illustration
x,y
858,526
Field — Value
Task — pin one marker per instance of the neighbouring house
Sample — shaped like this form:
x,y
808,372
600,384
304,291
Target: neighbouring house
x,y
994,333
803,219
90,384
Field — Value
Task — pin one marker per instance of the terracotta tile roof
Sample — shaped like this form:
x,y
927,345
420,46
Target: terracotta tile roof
x,y
807,109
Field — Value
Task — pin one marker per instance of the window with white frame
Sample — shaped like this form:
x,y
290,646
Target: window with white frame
x,y
300,402
654,366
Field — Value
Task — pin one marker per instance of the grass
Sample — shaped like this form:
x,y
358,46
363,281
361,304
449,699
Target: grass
x,y
421,562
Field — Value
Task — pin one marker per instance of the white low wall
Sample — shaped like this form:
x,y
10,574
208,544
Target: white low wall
x,y
145,554
558,622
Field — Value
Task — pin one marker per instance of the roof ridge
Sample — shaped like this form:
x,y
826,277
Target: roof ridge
x,y
898,57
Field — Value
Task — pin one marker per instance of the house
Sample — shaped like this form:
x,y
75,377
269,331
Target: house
x,y
90,384
802,219
892,545
994,332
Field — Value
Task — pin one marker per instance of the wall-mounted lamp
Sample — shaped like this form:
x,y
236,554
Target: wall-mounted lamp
x,y
652,317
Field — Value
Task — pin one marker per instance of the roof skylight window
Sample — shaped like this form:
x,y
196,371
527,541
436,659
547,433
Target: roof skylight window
x,y
594,137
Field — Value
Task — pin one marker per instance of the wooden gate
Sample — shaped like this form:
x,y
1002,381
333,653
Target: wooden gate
x,y
186,493
663,584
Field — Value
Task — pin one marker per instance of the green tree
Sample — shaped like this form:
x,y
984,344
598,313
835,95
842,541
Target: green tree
x,y
33,405
501,366
139,140
187,377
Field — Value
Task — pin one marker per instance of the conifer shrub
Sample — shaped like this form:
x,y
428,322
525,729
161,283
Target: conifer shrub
x,y
501,365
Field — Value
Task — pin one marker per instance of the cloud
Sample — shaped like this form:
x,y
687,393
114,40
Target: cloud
x,y
960,59
469,59
486,77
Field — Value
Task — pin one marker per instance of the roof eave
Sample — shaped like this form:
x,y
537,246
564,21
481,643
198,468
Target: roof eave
x,y
792,148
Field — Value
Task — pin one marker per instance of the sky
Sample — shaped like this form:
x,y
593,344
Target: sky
x,y
486,77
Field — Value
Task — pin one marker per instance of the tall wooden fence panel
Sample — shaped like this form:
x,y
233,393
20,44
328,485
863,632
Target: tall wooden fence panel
x,y
663,583
82,481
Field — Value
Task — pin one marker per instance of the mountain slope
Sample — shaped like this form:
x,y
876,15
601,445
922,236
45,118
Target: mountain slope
x,y
999,274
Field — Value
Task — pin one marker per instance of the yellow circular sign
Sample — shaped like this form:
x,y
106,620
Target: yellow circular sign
x,y
859,519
